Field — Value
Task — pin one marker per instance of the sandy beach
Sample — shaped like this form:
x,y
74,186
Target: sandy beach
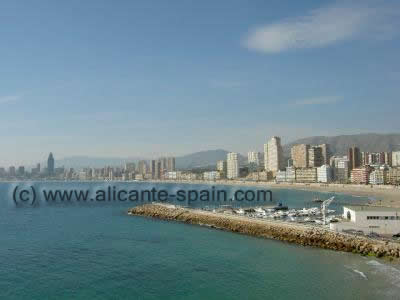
x,y
385,195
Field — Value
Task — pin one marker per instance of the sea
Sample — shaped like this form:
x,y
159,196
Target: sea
x,y
94,249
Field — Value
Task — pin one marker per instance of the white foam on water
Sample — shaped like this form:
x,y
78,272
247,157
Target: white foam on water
x,y
361,273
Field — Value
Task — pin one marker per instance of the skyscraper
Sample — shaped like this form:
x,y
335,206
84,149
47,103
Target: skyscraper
x,y
354,157
142,167
300,155
155,169
222,168
326,153
273,155
232,165
253,158
171,164
50,164
315,157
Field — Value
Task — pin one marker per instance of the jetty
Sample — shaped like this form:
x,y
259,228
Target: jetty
x,y
300,234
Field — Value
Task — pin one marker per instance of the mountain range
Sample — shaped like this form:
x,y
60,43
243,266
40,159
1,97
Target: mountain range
x,y
369,142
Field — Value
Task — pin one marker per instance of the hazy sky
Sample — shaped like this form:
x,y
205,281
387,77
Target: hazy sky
x,y
141,78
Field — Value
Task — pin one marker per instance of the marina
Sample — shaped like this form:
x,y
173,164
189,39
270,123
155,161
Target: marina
x,y
313,215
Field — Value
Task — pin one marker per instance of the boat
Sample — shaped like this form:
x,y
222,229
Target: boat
x,y
316,199
281,207
240,211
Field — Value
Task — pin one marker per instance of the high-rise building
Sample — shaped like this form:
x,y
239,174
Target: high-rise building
x,y
222,168
388,158
155,166
163,165
21,171
354,157
253,158
232,165
153,170
360,175
340,168
396,159
315,157
50,164
300,155
273,155
326,153
142,167
365,158
11,171
171,164
324,174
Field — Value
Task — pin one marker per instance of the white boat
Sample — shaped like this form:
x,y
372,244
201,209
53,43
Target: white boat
x,y
260,210
240,211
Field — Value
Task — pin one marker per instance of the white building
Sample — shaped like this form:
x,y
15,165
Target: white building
x,y
286,176
211,176
377,177
340,168
253,157
232,165
280,176
273,155
396,159
377,219
172,175
324,174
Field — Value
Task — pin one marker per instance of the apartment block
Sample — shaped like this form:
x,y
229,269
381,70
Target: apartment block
x,y
222,168
232,165
396,159
315,158
211,176
306,175
393,176
324,174
360,175
273,155
326,153
378,177
354,157
300,155
253,158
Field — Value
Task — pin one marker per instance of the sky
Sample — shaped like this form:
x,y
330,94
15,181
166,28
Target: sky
x,y
148,78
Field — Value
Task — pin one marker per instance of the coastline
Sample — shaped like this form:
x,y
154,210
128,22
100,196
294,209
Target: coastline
x,y
384,195
381,195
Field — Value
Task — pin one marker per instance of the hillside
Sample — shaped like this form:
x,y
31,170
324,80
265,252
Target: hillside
x,y
370,142
202,159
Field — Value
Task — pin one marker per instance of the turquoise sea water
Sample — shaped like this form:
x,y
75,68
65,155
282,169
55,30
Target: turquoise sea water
x,y
77,251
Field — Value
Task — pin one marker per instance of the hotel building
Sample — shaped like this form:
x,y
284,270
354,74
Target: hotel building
x,y
273,155
300,155
232,165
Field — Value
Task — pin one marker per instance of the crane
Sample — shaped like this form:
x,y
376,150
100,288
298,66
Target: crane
x,y
324,208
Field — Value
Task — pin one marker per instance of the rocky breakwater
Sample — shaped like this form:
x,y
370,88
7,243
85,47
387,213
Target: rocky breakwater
x,y
293,233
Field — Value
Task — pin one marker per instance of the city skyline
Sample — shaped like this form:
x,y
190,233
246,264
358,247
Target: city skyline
x,y
166,76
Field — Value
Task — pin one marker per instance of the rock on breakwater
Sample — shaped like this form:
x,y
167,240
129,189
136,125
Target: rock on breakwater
x,y
293,233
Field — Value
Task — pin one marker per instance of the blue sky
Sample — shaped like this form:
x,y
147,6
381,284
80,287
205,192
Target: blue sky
x,y
145,78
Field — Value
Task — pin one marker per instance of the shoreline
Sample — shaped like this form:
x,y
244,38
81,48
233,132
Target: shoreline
x,y
380,195
300,234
